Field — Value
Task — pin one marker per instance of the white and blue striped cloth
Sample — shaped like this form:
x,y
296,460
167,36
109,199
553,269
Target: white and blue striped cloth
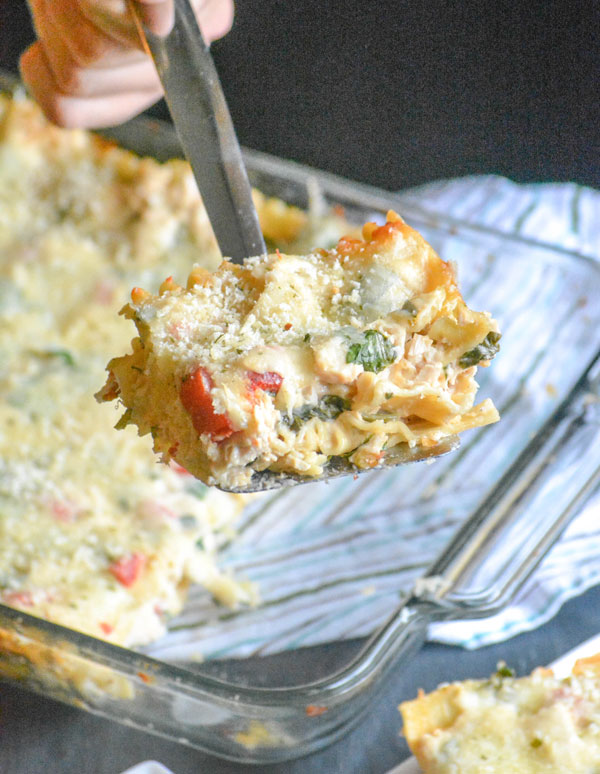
x,y
333,561
568,215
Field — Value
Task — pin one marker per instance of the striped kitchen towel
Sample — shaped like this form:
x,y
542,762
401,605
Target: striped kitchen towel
x,y
333,561
567,215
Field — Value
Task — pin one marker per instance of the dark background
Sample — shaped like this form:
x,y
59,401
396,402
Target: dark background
x,y
400,93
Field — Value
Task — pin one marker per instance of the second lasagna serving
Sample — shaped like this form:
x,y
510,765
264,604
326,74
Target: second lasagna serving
x,y
289,360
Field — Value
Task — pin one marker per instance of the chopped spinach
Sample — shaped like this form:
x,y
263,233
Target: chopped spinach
x,y
198,489
381,417
329,407
504,671
61,354
373,351
483,351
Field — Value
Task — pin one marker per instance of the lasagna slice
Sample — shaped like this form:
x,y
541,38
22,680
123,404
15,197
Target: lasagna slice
x,y
289,360
93,536
505,724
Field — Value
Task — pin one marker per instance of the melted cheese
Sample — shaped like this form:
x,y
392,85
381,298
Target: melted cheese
x,y
94,534
530,725
288,360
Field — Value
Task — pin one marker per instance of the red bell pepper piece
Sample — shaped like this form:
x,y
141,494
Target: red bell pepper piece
x,y
269,381
126,569
196,399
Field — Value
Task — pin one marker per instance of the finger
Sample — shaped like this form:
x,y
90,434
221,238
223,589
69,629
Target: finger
x,y
138,74
88,44
103,81
157,15
71,79
215,17
71,111
113,18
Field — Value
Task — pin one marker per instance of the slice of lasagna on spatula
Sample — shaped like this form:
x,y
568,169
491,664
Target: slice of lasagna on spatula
x,y
289,361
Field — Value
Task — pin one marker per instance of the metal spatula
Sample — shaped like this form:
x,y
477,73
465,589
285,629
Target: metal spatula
x,y
201,117
340,466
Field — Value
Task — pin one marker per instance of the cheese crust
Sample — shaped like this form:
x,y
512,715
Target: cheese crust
x,y
94,535
289,360
529,725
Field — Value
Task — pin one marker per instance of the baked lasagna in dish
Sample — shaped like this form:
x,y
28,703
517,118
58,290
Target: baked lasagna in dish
x,y
289,360
506,725
94,534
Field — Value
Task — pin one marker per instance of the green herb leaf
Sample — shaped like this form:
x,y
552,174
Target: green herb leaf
x,y
373,351
483,351
382,416
61,354
505,671
329,407
198,489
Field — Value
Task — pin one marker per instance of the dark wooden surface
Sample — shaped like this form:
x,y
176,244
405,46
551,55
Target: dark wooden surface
x,y
393,94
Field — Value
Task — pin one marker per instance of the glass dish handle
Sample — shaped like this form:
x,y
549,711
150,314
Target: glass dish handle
x,y
502,543
498,548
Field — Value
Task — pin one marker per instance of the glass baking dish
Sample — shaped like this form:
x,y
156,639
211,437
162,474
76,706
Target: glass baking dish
x,y
237,702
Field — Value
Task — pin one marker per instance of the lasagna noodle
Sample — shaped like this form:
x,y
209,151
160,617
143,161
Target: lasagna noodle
x,y
289,360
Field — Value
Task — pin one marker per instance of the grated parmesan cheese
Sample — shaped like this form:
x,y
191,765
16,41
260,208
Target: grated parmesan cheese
x,y
289,360
94,534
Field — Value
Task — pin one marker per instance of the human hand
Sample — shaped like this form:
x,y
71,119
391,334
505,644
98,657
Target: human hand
x,y
88,68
